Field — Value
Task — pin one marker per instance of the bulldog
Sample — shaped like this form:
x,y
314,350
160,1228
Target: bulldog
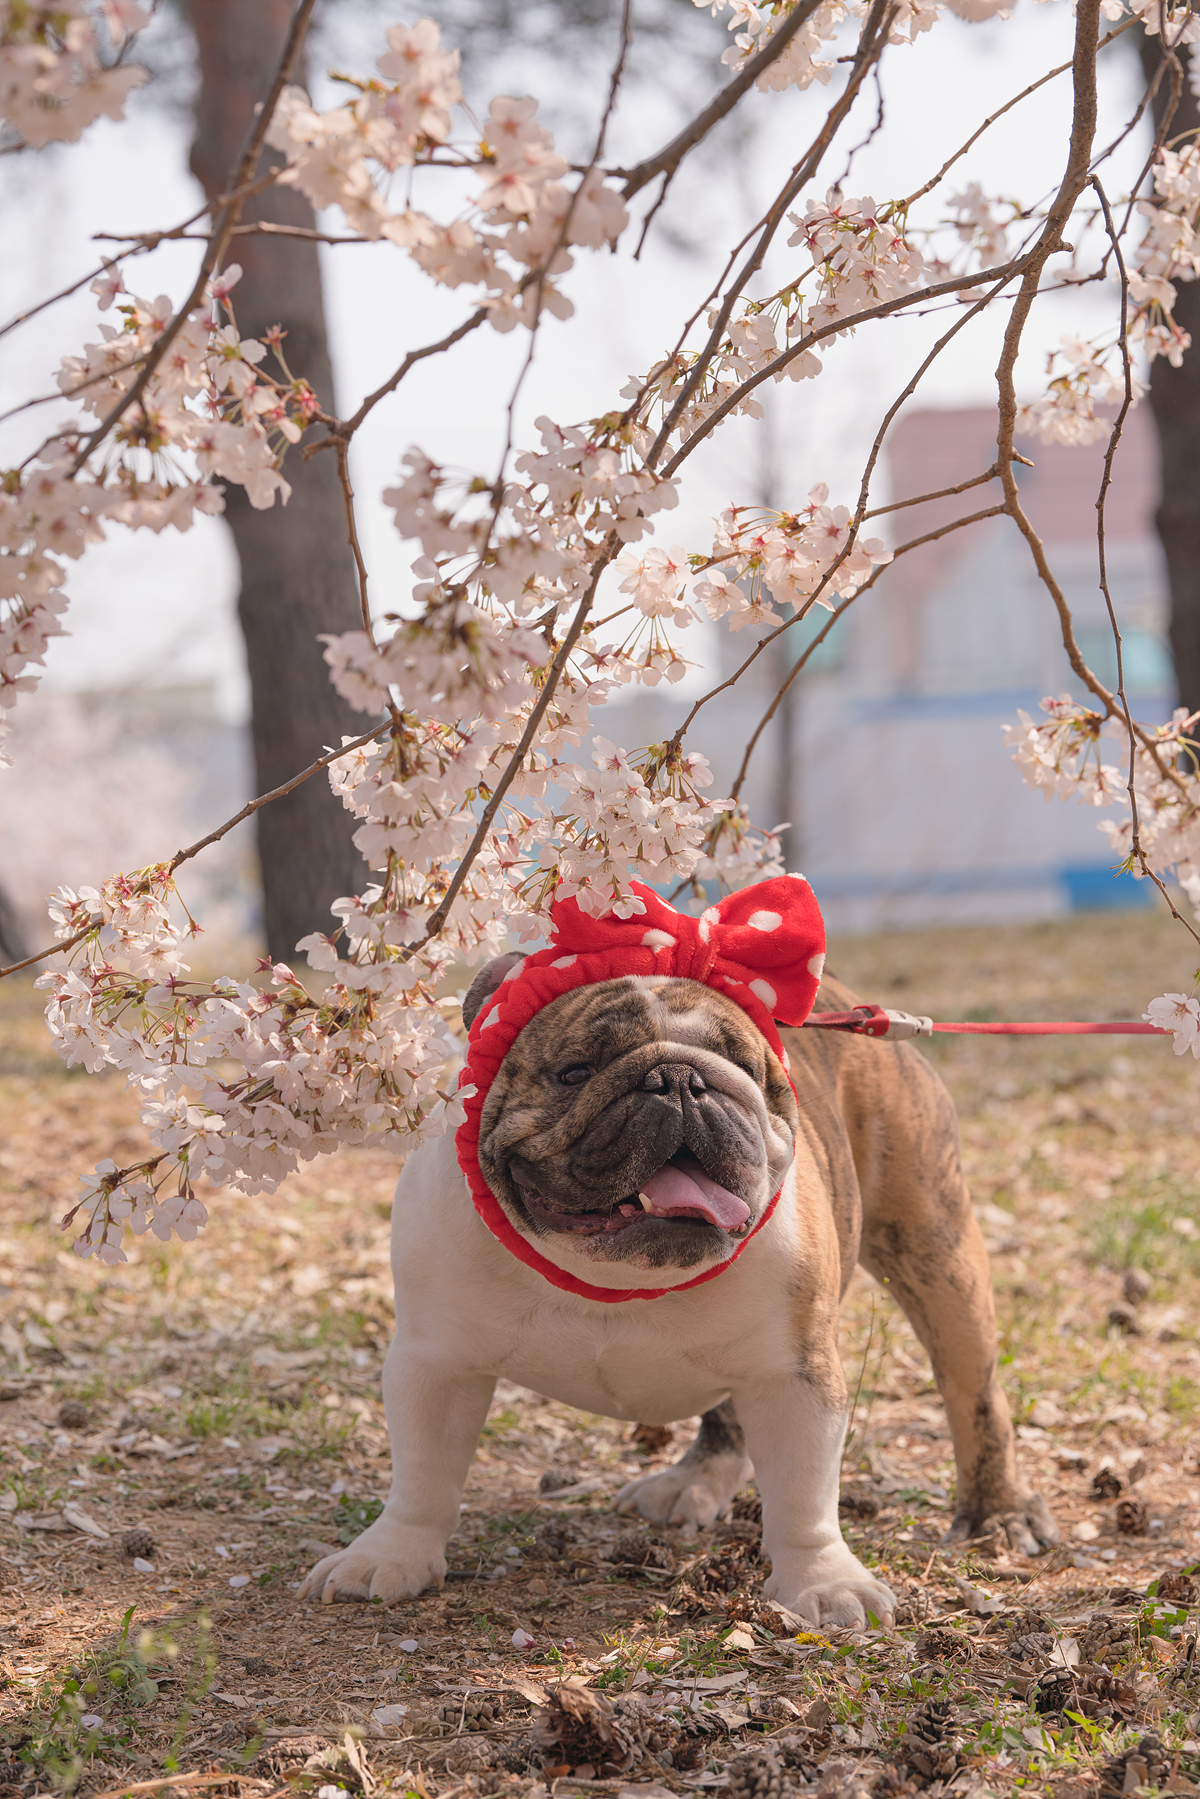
x,y
652,1213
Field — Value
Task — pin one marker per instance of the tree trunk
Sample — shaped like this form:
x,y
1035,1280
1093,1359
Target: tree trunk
x,y
298,576
12,941
1175,402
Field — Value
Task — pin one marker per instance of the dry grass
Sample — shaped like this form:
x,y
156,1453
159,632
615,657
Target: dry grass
x,y
230,1410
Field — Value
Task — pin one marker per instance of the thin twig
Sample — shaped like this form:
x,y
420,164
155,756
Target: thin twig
x,y
942,530
1075,176
66,292
851,536
1033,87
222,231
163,1781
871,46
943,493
345,428
438,917
1136,847
265,799
956,284
67,943
668,159
193,849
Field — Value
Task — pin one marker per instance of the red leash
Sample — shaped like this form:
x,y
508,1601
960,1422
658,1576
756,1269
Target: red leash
x,y
881,1021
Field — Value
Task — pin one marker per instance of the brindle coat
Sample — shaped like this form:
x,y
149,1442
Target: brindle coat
x,y
883,1131
604,1085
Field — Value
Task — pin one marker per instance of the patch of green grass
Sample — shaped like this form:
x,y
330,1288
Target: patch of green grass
x,y
66,1723
1182,1396
1149,1222
499,1428
353,1516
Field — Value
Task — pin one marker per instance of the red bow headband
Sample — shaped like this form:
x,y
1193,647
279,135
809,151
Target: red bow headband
x,y
763,948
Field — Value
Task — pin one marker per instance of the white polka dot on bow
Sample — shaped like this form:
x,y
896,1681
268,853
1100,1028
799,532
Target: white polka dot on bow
x,y
765,921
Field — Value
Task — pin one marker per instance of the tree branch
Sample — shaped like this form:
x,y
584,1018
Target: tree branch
x,y
438,917
221,234
871,45
669,158
202,843
929,537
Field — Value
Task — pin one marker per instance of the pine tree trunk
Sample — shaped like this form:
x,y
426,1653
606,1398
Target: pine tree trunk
x,y
1175,402
298,576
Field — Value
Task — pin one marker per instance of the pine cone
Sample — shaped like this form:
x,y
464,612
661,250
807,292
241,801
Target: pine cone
x,y
515,1758
1033,1649
472,1711
637,1550
74,1415
795,1751
687,1602
726,1569
927,1745
1147,1764
1055,1689
915,1607
652,1732
550,1542
1107,1484
1106,1640
896,1782
288,1755
139,1542
758,1775
469,1755
1133,1520
651,1439
553,1480
858,1503
1177,1589
580,1728
943,1645
747,1509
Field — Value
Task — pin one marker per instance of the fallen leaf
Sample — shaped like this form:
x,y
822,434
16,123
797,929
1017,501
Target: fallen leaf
x,y
75,1515
976,1600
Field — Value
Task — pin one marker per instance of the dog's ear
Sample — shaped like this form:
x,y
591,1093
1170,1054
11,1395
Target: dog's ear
x,y
486,983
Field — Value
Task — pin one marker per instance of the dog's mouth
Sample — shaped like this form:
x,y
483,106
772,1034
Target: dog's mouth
x,y
680,1193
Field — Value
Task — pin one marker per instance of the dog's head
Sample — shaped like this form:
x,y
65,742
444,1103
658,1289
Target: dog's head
x,y
636,1121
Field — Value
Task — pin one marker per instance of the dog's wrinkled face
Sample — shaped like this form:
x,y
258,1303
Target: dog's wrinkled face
x,y
638,1120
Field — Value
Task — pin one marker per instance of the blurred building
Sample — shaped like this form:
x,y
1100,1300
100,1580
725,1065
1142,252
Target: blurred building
x,y
889,761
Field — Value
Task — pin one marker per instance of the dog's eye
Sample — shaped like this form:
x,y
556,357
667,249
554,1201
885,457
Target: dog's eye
x,y
576,1075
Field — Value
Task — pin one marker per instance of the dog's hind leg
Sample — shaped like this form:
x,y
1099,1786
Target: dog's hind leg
x,y
700,1487
920,1236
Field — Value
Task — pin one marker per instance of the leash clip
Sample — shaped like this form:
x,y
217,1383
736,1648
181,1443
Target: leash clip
x,y
874,1021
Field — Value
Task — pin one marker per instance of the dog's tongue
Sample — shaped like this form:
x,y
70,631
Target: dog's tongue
x,y
689,1189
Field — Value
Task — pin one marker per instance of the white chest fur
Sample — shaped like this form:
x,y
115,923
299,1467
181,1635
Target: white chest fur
x,y
466,1305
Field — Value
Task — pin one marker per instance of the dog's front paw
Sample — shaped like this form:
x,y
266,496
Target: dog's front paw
x,y
695,1492
829,1586
388,1562
1027,1525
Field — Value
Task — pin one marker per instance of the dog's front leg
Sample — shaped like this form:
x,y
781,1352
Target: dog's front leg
x,y
795,1429
434,1419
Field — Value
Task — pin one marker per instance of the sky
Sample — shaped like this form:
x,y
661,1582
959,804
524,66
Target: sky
x,y
161,610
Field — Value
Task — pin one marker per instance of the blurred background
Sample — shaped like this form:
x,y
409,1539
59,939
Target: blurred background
x,y
886,761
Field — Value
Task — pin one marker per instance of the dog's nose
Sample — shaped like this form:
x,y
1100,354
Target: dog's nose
x,y
673,1077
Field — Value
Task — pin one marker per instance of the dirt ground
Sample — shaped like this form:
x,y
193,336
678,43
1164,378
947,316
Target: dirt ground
x,y
180,1438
